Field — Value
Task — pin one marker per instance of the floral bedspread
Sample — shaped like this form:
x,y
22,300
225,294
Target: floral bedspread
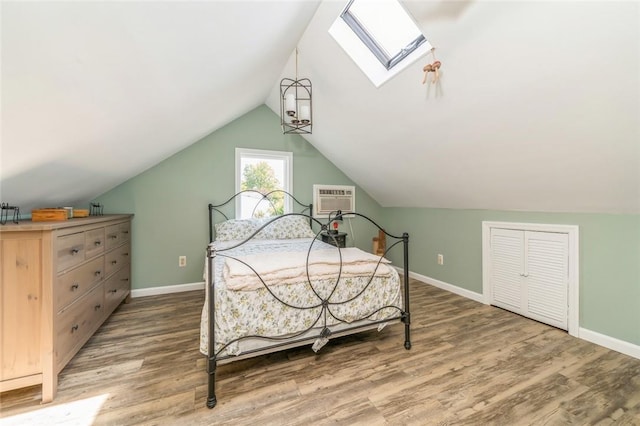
x,y
261,312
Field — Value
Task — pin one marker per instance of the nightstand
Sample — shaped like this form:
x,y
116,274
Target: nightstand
x,y
340,239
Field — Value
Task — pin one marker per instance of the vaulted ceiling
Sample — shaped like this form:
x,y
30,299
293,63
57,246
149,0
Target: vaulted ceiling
x,y
538,106
93,93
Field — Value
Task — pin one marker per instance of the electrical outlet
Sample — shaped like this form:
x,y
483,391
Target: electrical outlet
x,y
440,259
182,261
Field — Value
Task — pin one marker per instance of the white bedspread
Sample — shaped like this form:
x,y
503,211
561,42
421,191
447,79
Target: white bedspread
x,y
300,266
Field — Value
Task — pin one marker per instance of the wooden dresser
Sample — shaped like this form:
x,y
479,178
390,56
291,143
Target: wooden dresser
x,y
59,281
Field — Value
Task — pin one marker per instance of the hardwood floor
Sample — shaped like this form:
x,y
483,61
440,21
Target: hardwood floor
x,y
470,364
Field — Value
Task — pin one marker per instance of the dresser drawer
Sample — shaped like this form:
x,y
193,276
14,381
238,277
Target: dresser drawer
x,y
116,259
125,231
116,289
70,250
77,323
114,235
94,242
75,283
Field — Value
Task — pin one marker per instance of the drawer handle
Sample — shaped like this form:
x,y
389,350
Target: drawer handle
x,y
113,291
124,279
113,236
113,262
97,307
125,254
74,287
125,232
74,251
97,273
74,328
98,243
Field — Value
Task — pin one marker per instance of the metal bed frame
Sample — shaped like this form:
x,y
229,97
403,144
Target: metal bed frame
x,y
309,335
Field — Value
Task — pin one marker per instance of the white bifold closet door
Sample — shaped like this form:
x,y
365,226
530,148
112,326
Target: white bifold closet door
x,y
530,274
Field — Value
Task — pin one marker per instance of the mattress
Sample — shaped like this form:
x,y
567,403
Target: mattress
x,y
239,314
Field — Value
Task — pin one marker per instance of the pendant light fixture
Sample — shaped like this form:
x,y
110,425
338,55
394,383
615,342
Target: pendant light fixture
x,y
296,114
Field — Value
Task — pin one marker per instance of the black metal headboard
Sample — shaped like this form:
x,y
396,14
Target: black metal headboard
x,y
217,207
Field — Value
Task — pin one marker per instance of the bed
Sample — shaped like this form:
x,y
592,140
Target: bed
x,y
272,284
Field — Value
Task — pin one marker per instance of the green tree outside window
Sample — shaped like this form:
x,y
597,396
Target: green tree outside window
x,y
262,178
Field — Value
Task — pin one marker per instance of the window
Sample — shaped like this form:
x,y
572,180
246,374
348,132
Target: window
x,y
263,171
385,28
380,37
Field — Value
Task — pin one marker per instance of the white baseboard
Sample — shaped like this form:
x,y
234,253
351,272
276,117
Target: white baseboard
x,y
610,342
178,288
448,287
583,333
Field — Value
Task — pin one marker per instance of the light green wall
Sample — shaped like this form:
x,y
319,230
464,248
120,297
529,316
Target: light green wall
x,y
170,199
170,206
609,258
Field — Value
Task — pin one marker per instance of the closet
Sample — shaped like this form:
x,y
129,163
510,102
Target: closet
x,y
529,270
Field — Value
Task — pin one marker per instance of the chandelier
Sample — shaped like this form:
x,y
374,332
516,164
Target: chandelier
x,y
295,104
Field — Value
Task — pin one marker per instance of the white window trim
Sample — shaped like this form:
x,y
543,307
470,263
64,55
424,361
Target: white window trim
x,y
261,153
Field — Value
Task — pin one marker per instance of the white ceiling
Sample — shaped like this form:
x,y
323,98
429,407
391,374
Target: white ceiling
x,y
93,93
538,107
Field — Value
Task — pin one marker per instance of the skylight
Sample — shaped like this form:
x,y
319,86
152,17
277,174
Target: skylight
x,y
380,36
385,28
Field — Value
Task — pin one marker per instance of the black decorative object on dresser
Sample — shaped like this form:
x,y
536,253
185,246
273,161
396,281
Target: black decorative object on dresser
x,y
4,215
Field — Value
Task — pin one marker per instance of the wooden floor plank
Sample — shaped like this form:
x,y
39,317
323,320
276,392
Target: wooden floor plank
x,y
469,364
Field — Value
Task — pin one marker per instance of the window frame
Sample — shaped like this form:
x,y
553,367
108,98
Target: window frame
x,y
362,56
372,44
285,156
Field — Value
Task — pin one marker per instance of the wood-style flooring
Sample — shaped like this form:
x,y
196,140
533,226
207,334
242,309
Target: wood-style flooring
x,y
470,364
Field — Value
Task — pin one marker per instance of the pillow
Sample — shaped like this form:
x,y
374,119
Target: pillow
x,y
235,229
287,227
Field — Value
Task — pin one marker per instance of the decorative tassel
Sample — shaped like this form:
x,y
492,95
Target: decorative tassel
x,y
433,67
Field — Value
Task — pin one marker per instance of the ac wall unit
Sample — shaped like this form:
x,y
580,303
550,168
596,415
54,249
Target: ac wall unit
x,y
328,199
